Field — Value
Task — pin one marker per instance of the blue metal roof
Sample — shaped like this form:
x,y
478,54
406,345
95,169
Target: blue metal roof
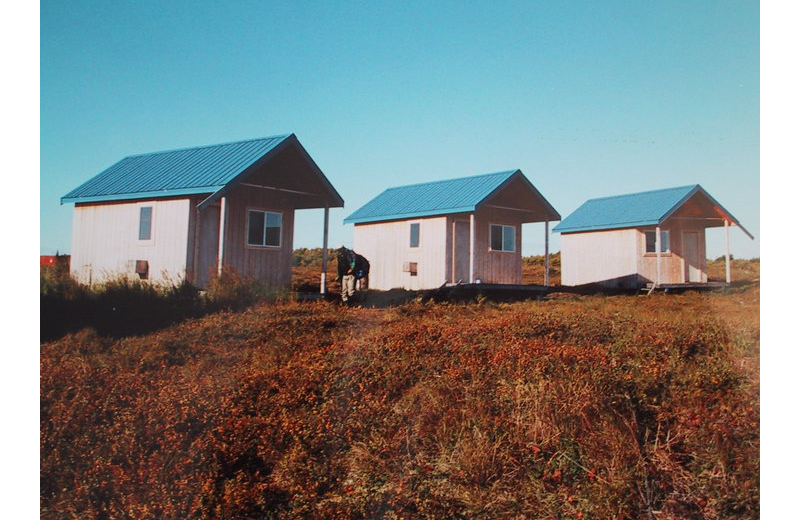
x,y
648,208
204,169
430,198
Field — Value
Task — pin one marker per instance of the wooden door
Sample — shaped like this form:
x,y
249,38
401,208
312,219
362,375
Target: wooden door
x,y
460,251
209,244
691,257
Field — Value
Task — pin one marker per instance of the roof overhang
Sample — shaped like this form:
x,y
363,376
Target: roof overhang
x,y
528,201
714,216
717,218
329,197
532,204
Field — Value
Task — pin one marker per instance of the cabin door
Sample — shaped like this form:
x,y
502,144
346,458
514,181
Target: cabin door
x,y
208,244
460,251
691,257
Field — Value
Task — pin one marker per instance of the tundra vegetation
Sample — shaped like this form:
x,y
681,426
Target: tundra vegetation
x,y
628,407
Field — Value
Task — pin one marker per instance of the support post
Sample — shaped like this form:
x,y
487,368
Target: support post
x,y
658,255
223,215
727,252
323,283
546,252
472,248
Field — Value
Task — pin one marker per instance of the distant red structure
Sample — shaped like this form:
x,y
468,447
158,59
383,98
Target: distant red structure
x,y
57,261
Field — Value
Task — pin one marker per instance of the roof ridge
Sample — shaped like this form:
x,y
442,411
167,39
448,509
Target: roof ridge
x,y
186,149
450,180
692,186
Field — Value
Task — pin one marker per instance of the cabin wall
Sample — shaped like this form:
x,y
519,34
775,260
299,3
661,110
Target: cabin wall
x,y
617,258
606,257
501,267
106,245
439,259
673,263
386,245
271,266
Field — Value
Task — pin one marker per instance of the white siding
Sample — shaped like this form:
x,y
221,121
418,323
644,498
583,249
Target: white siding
x,y
608,257
618,257
105,241
386,246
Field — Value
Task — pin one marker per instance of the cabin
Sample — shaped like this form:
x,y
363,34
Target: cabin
x,y
654,238
188,214
457,231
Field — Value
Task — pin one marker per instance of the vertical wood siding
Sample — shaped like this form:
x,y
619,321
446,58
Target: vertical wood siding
x,y
386,246
673,266
608,257
617,258
105,240
497,266
270,265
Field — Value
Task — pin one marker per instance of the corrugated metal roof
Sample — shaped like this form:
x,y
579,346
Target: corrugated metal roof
x,y
430,198
648,208
186,171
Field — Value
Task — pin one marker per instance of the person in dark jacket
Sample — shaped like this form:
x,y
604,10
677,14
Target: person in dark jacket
x,y
352,269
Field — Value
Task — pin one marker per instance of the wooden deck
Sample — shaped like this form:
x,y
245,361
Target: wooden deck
x,y
680,287
500,292
496,292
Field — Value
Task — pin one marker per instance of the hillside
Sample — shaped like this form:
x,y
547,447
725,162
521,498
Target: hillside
x,y
576,407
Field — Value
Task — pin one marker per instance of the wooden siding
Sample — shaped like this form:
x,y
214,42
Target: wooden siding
x,y
439,259
386,246
105,241
497,266
607,257
617,258
270,265
673,264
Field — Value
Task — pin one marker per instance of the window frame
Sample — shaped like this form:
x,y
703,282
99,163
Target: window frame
x,y
140,207
503,227
263,244
664,244
411,235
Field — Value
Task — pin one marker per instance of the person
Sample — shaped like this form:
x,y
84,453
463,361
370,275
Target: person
x,y
352,272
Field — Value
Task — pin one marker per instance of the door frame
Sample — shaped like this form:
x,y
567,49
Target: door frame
x,y
687,264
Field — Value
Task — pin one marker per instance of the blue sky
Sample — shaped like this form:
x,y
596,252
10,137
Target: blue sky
x,y
588,99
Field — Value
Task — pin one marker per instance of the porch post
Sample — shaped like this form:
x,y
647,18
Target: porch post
x,y
324,276
223,215
727,252
658,255
472,248
547,252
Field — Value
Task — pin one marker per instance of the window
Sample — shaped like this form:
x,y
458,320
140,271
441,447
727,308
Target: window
x,y
414,242
503,238
145,222
263,228
650,241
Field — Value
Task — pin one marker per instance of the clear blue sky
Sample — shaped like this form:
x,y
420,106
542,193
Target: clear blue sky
x,y
588,99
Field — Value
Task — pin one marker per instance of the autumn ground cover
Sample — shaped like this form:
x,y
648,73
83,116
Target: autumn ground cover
x,y
577,407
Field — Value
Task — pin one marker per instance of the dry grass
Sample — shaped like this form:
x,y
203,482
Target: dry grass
x,y
587,407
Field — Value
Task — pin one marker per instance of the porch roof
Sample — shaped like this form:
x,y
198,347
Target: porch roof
x,y
461,195
213,169
649,208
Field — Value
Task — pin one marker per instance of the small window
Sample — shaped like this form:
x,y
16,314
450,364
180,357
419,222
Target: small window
x,y
650,241
145,222
264,228
503,238
414,242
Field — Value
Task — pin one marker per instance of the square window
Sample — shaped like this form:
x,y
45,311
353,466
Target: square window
x,y
264,228
502,238
650,241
